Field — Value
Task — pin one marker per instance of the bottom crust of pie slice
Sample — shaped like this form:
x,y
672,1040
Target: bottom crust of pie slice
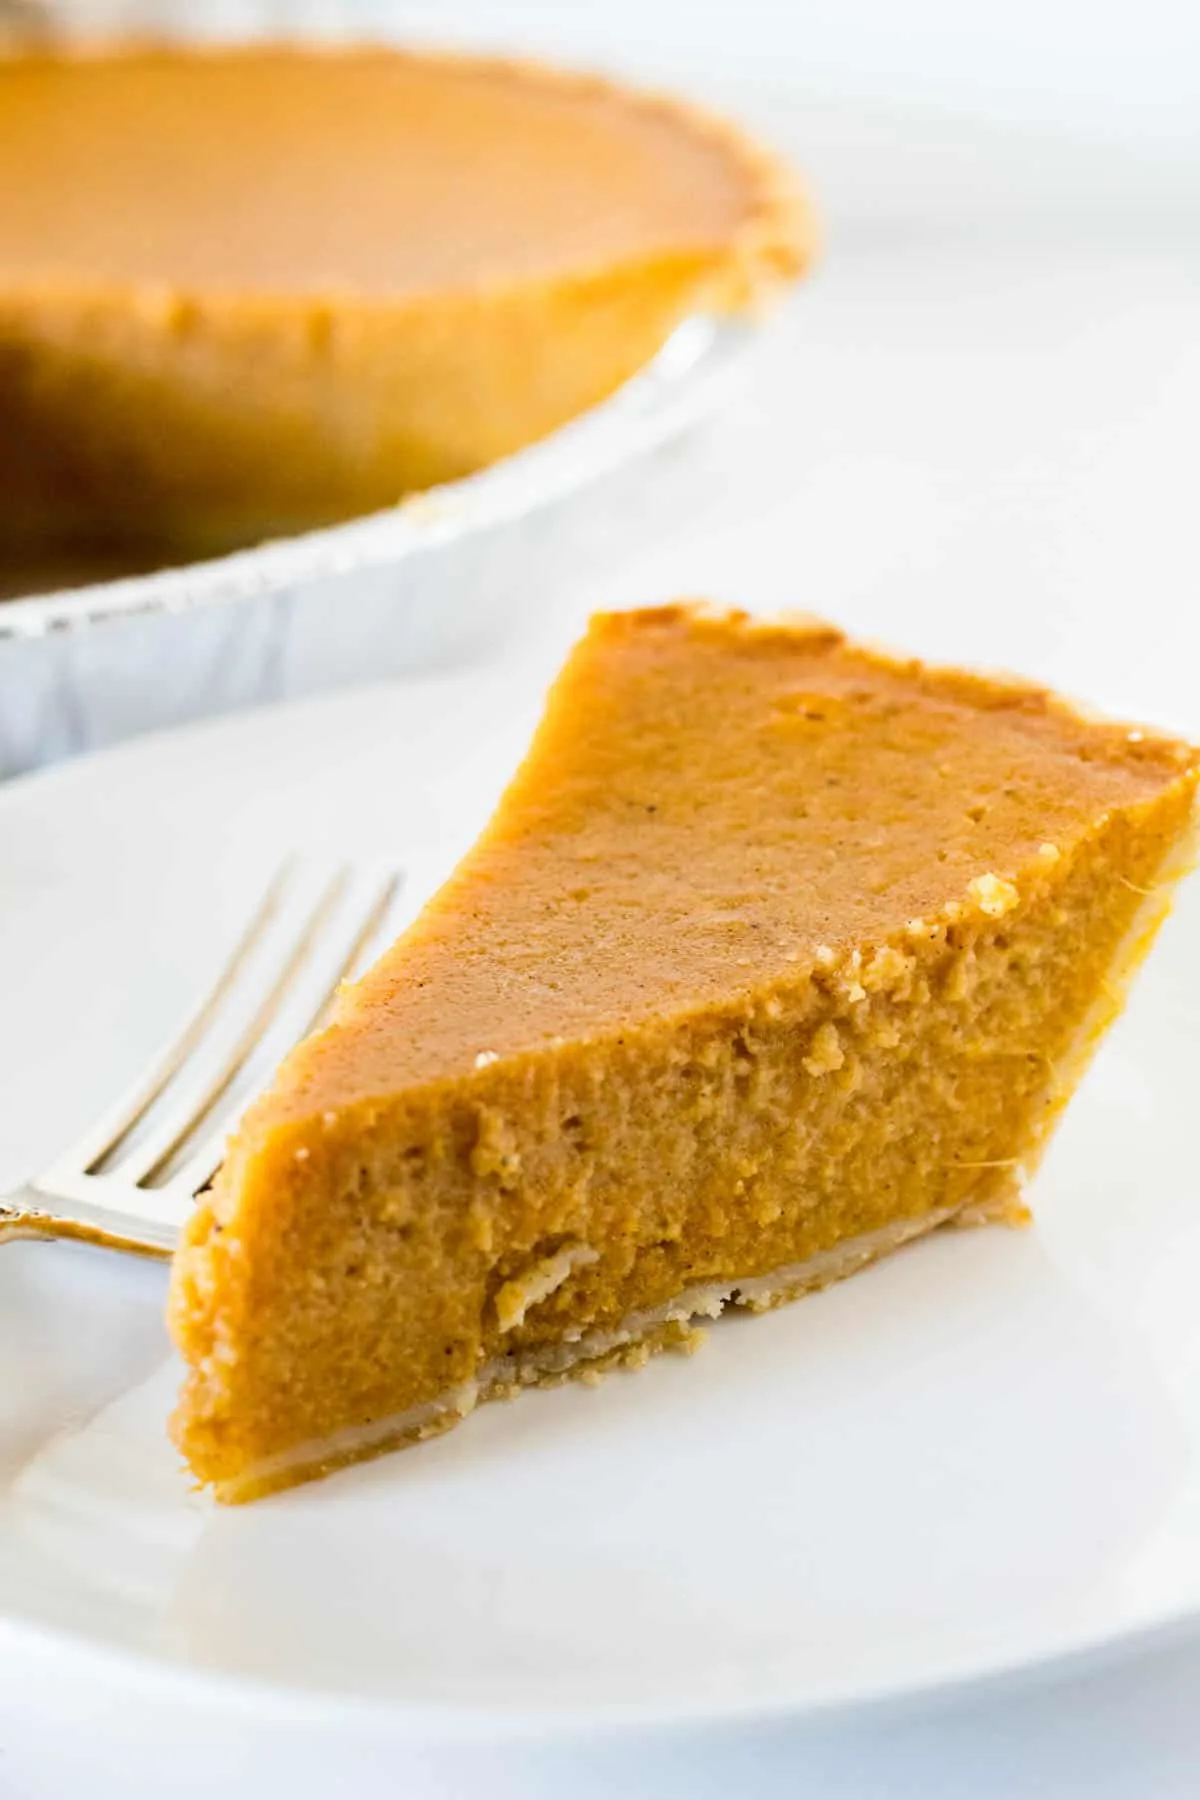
x,y
677,1325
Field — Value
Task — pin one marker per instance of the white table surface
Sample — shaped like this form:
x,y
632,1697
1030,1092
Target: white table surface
x,y
981,444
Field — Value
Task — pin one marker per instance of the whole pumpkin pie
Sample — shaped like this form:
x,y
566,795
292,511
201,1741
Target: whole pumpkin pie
x,y
253,290
777,954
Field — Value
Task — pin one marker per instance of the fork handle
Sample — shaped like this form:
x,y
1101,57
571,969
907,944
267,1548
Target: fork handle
x,y
18,1221
24,1215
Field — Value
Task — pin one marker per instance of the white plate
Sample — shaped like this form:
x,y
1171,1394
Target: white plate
x,y
983,1455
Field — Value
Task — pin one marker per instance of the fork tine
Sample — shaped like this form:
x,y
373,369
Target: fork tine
x,y
107,1134
329,950
203,1078
283,972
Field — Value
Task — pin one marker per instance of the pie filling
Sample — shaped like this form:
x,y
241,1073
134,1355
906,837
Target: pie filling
x,y
673,1325
651,1329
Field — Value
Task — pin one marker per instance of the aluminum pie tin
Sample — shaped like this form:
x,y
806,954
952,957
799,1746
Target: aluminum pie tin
x,y
436,579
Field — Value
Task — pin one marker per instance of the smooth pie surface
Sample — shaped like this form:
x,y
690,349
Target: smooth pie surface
x,y
275,172
711,801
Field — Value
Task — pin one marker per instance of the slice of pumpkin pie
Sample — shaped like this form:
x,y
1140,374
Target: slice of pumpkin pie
x,y
777,953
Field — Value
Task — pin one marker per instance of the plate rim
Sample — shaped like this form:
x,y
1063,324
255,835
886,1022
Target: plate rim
x,y
434,1720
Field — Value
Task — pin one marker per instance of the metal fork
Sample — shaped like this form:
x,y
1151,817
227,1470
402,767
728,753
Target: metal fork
x,y
131,1181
